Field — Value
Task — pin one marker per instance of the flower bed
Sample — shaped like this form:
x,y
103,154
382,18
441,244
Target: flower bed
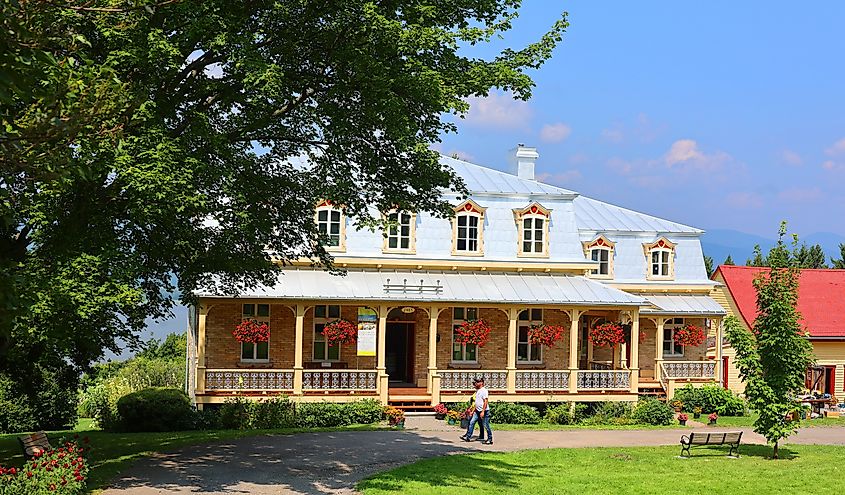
x,y
546,335
63,470
251,331
340,332
690,335
473,332
607,335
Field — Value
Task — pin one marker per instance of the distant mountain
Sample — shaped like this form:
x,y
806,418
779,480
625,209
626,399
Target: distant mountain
x,y
719,243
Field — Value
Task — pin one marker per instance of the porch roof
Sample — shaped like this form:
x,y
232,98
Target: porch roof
x,y
683,305
440,286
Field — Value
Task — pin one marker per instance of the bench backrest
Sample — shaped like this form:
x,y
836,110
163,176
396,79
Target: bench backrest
x,y
707,438
35,443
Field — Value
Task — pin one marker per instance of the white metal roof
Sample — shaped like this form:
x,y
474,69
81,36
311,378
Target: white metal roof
x,y
683,305
441,286
591,214
480,179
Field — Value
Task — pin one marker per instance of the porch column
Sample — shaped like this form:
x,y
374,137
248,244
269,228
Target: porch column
x,y
380,353
202,313
433,388
513,315
658,347
589,352
634,363
718,369
623,359
299,313
574,317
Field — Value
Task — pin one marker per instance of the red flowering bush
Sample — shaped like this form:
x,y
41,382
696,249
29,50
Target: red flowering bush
x,y
63,470
545,334
690,335
473,332
340,332
251,331
607,335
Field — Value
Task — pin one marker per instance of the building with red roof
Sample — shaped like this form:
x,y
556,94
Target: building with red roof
x,y
821,303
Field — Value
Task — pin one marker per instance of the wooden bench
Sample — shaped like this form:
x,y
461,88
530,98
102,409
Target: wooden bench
x,y
730,438
34,444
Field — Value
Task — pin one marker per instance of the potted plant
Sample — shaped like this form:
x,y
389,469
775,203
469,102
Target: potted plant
x,y
440,411
696,412
453,417
607,335
682,419
464,419
473,332
395,416
677,405
251,331
545,335
713,417
690,335
340,332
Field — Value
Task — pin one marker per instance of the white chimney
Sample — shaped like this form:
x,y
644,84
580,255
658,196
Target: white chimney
x,y
522,161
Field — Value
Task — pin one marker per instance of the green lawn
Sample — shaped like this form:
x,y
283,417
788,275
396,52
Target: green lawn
x,y
113,452
620,471
748,421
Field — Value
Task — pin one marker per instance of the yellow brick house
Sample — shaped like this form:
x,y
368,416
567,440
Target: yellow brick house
x,y
517,253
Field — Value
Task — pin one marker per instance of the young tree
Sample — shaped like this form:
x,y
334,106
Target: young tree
x,y
840,263
774,356
729,261
759,259
810,257
708,265
190,140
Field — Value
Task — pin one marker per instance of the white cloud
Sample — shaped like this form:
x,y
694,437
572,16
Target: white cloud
x,y
800,194
837,149
791,158
640,130
837,152
685,153
555,133
561,178
498,110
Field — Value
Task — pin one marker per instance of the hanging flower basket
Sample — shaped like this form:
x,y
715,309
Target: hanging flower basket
x,y
340,332
607,335
251,331
545,335
690,335
628,332
473,332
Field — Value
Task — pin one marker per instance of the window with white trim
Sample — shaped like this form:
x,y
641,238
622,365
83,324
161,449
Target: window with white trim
x,y
670,348
660,259
527,352
602,256
466,353
329,220
660,262
322,316
533,230
600,250
255,352
468,229
400,232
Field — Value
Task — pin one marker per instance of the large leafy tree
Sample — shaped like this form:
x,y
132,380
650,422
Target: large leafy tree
x,y
773,357
188,140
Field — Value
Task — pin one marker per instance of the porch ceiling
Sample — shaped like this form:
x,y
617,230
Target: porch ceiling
x,y
683,305
441,286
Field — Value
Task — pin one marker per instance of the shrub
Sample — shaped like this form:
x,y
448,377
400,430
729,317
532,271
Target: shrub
x,y
320,415
711,398
40,398
513,413
560,414
234,414
155,409
275,412
63,470
364,412
652,412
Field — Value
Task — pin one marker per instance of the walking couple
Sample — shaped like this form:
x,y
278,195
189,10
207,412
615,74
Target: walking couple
x,y
480,412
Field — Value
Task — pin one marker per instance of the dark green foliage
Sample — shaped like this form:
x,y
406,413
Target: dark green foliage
x,y
155,409
652,412
513,413
174,346
239,413
608,413
43,400
839,264
729,261
773,357
560,414
708,265
711,398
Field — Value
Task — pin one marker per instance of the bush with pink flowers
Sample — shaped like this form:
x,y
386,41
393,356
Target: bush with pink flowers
x,y
63,470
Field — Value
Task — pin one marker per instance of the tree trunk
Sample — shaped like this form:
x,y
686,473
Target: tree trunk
x,y
775,453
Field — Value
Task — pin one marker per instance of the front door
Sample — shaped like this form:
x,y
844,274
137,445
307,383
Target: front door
x,y
399,352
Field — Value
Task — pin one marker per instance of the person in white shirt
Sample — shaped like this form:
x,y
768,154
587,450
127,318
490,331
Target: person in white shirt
x,y
482,413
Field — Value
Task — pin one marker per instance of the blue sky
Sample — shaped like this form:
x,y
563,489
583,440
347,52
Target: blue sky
x,y
722,115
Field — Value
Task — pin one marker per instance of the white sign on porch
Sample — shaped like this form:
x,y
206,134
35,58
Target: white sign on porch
x,y
366,339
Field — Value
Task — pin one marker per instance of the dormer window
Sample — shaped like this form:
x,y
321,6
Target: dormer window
x,y
533,226
401,233
331,224
660,259
468,229
601,251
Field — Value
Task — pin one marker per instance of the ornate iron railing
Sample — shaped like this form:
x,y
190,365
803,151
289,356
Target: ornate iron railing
x,y
462,380
542,380
263,380
688,369
339,380
604,380
601,365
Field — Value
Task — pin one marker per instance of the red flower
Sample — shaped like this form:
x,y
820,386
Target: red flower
x,y
29,474
13,471
473,332
250,331
52,487
545,334
690,335
607,335
79,477
340,332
